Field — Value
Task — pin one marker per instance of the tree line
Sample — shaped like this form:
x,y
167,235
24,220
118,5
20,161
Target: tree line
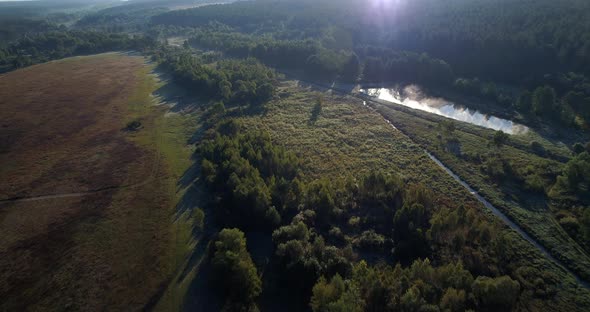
x,y
53,45
241,82
307,55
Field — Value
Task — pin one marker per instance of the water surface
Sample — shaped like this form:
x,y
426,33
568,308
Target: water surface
x,y
411,96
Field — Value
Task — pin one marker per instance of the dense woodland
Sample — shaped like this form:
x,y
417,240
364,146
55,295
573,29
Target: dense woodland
x,y
240,82
551,36
530,57
53,45
13,28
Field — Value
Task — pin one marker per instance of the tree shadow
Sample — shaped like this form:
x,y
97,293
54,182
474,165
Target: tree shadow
x,y
199,295
178,98
194,269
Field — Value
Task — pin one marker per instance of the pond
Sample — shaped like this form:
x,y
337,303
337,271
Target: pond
x,y
411,96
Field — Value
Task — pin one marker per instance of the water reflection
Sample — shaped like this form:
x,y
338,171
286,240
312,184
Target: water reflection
x,y
412,97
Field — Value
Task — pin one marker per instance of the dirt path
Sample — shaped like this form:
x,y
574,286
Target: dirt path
x,y
79,194
507,220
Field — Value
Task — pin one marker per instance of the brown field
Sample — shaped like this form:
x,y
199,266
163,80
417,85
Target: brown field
x,y
61,132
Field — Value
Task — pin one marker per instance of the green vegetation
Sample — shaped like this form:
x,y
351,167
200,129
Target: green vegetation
x,y
419,287
240,82
342,211
351,40
59,44
336,226
250,178
133,125
235,273
482,42
509,171
14,28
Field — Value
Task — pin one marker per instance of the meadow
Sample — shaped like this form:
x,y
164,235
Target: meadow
x,y
88,127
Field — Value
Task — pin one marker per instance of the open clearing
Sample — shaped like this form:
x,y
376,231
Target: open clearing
x,y
62,130
62,133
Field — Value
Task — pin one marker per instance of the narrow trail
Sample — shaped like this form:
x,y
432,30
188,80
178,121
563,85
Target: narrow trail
x,y
504,218
507,221
75,194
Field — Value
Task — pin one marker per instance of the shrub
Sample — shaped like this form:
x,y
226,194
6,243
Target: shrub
x,y
133,125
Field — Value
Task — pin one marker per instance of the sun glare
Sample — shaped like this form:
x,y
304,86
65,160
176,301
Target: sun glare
x,y
385,3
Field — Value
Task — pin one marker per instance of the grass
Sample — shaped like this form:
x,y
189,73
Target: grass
x,y
530,212
113,250
348,139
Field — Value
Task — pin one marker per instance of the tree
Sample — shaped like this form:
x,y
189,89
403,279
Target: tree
x,y
567,115
336,296
22,61
499,138
574,180
489,90
585,225
495,293
264,93
235,273
225,89
320,196
578,148
448,127
352,68
453,300
544,100
217,110
409,226
317,108
524,102
412,300
325,293
578,102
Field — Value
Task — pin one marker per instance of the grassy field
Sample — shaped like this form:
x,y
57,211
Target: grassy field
x,y
348,138
529,211
118,243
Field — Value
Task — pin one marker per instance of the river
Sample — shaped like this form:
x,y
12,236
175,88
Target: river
x,y
411,96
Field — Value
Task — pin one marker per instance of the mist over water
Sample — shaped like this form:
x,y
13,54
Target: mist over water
x,y
411,96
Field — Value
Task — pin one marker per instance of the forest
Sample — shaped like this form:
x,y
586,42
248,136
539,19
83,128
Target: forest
x,y
241,82
58,44
376,238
